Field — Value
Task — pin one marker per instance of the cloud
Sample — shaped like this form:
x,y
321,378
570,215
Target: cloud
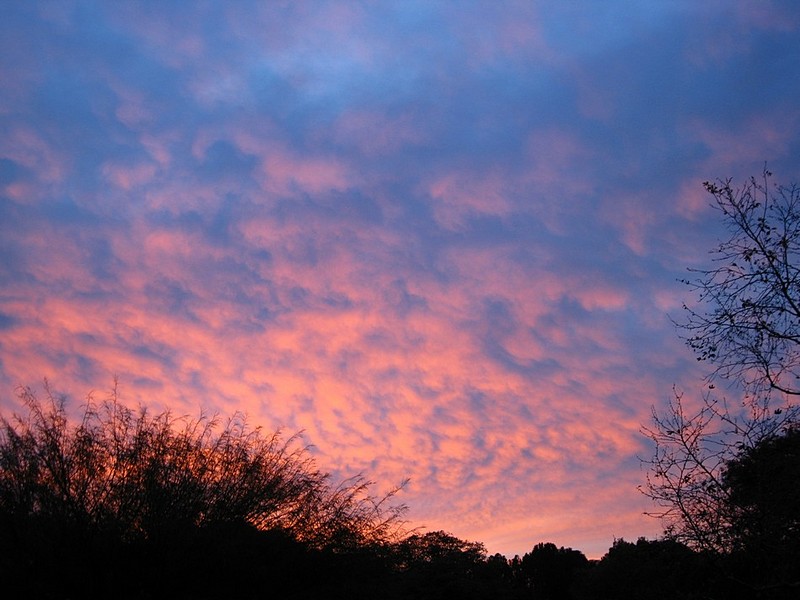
x,y
443,243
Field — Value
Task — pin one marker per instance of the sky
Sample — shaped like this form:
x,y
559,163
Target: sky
x,y
443,239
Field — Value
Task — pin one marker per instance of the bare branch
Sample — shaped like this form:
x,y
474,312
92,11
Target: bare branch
x,y
748,322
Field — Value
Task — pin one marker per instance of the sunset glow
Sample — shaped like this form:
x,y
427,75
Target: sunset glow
x,y
442,239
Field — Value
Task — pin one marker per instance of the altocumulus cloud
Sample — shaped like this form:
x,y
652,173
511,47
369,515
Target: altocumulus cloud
x,y
441,238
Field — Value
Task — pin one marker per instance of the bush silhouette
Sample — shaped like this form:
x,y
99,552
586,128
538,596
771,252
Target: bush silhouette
x,y
158,502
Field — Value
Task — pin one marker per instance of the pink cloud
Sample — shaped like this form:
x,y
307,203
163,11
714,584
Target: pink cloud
x,y
284,172
377,134
507,377
555,178
127,177
377,390
633,219
134,109
158,148
692,200
600,295
760,138
176,46
339,408
458,196
736,38
30,149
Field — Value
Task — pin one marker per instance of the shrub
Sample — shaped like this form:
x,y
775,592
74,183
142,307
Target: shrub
x,y
120,486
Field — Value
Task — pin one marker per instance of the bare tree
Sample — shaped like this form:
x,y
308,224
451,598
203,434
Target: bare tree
x,y
694,447
747,325
748,322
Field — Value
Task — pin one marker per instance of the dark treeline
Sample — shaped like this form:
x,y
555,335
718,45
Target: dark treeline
x,y
128,505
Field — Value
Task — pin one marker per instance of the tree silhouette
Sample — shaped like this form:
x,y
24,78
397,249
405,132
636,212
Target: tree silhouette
x,y
437,564
728,487
749,329
764,487
121,487
692,448
646,570
549,571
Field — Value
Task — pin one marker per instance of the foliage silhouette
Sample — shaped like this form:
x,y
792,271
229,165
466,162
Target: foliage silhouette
x,y
728,487
437,564
763,483
121,488
693,448
645,570
549,571
124,504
